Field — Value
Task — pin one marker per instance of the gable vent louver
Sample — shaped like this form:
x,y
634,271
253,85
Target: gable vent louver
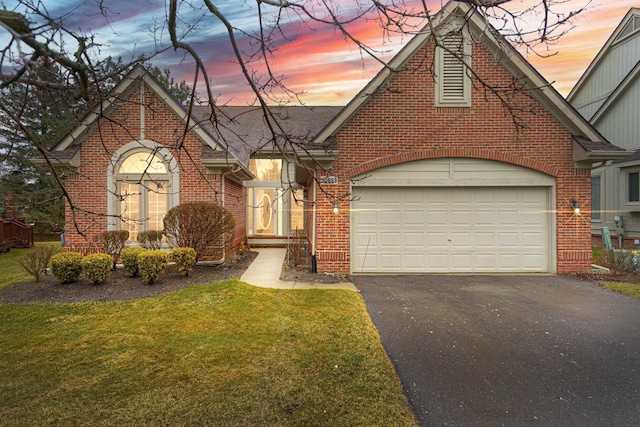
x,y
453,81
632,26
452,68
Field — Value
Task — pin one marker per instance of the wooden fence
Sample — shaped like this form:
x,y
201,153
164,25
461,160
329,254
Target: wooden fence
x,y
15,234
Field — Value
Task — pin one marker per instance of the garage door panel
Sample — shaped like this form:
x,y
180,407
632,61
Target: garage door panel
x,y
363,240
436,217
413,262
413,217
414,240
389,217
452,229
485,240
390,240
391,262
533,240
484,217
437,240
531,262
460,217
366,217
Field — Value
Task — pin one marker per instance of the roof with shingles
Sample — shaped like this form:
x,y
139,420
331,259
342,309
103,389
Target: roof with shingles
x,y
244,130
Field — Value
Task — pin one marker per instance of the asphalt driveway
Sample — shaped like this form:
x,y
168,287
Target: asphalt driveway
x,y
510,350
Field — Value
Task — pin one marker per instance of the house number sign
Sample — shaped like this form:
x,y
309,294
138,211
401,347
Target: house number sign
x,y
331,179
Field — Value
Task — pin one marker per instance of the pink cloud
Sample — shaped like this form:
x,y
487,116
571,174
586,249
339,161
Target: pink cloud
x,y
331,71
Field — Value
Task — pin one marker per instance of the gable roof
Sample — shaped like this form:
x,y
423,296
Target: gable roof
x,y
619,34
598,148
66,149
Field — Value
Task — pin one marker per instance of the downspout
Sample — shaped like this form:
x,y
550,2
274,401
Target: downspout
x,y
222,181
314,265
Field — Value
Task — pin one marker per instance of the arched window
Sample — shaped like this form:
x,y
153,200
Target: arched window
x,y
143,186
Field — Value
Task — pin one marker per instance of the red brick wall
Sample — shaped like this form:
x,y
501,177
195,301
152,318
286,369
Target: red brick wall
x,y
88,188
235,201
400,123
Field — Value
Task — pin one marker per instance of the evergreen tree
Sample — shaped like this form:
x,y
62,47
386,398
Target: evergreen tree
x,y
28,190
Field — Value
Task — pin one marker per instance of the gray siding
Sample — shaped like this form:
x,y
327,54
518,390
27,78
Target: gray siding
x,y
621,123
612,69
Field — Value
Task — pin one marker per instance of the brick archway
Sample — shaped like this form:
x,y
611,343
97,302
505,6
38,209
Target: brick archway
x,y
512,158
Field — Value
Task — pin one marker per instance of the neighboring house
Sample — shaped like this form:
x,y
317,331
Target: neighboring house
x,y
425,170
608,95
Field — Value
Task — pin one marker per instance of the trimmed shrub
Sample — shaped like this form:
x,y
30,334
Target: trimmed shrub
x,y
129,258
151,264
199,225
36,261
113,242
184,259
97,268
151,239
66,266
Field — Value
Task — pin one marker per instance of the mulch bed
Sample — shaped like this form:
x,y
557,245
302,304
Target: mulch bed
x,y
604,276
120,286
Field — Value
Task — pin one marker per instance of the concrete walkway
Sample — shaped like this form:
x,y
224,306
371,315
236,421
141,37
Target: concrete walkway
x,y
265,270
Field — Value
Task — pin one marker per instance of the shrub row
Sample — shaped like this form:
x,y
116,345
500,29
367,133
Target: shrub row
x,y
197,225
148,264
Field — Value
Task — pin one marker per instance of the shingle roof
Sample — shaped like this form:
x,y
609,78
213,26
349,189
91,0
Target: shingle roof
x,y
244,130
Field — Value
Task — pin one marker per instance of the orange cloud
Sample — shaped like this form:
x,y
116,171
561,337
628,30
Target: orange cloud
x,y
576,50
319,64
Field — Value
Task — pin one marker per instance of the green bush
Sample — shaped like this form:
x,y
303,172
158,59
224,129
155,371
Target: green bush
x,y
66,266
151,239
36,261
184,259
151,264
97,268
113,242
199,225
129,257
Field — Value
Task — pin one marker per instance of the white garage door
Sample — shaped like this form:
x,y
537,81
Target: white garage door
x,y
451,229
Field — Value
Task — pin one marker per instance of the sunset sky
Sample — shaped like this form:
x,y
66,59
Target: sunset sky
x,y
316,61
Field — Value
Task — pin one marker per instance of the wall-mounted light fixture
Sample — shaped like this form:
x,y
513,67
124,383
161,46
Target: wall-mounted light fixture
x,y
575,205
336,207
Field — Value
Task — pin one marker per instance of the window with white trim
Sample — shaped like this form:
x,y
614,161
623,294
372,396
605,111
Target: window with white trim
x,y
633,187
596,197
142,184
452,59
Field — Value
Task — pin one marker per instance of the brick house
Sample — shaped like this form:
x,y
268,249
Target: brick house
x,y
440,164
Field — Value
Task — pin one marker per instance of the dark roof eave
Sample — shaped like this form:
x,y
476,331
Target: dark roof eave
x,y
585,152
231,166
320,157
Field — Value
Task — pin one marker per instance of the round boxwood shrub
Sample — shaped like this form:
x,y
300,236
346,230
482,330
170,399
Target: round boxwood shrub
x,y
129,257
151,264
97,268
184,259
66,266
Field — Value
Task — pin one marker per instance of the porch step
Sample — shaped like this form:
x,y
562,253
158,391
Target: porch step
x,y
270,242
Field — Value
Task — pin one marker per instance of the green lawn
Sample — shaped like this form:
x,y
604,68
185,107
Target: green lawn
x,y
10,271
628,289
225,354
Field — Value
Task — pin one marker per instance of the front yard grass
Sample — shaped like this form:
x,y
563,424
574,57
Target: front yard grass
x,y
225,354
10,271
628,289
